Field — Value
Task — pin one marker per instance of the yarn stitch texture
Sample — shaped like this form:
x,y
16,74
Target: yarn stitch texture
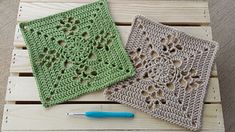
x,y
75,52
172,73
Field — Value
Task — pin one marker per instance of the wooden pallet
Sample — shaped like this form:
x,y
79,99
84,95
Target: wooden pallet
x,y
23,111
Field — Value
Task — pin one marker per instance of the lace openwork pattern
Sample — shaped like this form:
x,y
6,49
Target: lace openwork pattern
x,y
75,52
172,73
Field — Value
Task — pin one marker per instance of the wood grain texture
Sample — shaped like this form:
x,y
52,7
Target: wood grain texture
x,y
25,89
190,12
24,117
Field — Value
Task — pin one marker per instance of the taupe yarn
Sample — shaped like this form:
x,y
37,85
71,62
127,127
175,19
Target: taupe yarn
x,y
172,73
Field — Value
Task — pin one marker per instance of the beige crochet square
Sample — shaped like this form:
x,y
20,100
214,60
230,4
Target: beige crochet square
x,y
173,70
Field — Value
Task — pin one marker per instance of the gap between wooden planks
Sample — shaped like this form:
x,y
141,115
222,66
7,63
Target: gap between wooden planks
x,y
176,12
35,117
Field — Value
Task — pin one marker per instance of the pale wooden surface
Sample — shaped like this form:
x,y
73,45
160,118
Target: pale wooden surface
x,y
38,118
124,11
201,22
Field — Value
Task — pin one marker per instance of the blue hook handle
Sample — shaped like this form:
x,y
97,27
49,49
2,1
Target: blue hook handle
x,y
99,114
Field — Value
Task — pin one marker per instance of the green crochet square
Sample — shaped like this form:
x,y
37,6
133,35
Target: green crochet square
x,y
75,52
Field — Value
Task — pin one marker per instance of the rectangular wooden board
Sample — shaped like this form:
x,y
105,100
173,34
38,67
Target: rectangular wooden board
x,y
175,12
35,117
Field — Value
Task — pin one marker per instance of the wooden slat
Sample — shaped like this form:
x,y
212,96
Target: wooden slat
x,y
179,12
20,63
203,32
25,89
35,117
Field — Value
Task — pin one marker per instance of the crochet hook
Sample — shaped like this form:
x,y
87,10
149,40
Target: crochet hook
x,y
99,114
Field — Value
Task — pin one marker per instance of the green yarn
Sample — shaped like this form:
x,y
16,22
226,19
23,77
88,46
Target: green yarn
x,y
75,52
